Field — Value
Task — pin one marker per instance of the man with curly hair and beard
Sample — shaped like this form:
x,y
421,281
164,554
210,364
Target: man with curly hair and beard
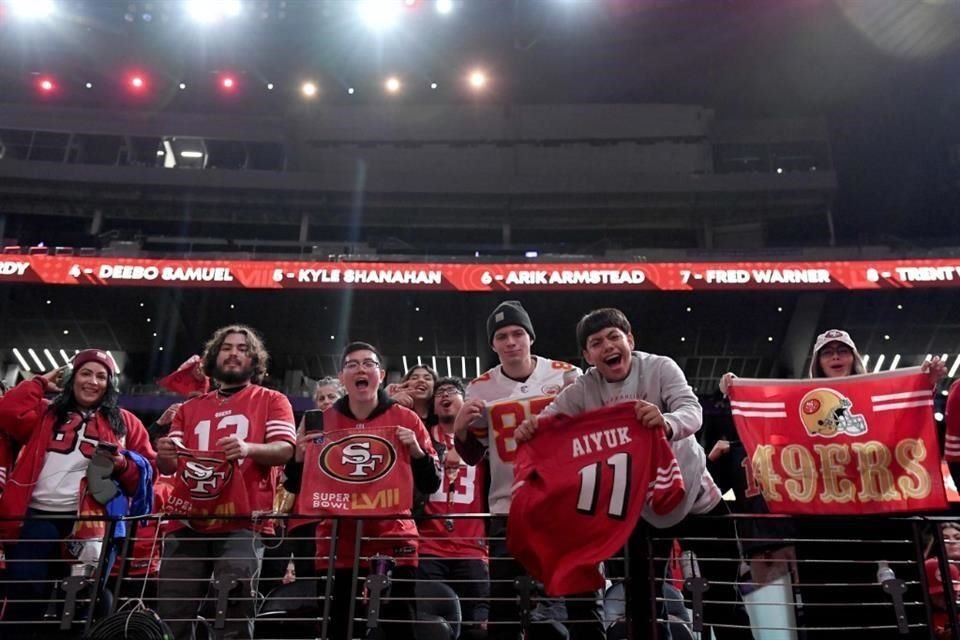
x,y
224,448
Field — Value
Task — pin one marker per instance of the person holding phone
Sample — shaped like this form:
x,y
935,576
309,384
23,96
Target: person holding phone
x,y
82,426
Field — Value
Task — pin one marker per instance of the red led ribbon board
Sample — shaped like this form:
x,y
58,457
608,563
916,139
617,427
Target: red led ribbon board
x,y
614,276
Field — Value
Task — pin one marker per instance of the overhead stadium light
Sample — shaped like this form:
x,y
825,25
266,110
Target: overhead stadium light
x,y
477,79
32,9
137,82
211,11
36,358
392,84
879,364
21,359
443,7
953,369
309,89
379,15
50,358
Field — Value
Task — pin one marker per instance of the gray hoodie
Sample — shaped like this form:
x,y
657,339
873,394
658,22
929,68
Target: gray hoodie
x,y
657,380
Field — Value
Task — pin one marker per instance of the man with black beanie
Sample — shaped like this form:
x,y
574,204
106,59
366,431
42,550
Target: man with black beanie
x,y
496,403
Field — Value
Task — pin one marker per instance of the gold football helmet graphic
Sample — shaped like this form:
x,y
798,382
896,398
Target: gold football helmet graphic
x,y
826,413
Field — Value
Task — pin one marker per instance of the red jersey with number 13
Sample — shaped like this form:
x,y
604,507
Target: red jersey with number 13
x,y
254,414
460,492
590,475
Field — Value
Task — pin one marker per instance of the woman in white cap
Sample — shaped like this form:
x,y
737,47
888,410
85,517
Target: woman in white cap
x,y
81,427
835,355
856,540
831,542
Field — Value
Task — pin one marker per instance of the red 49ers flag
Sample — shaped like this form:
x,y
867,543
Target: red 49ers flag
x,y
360,472
841,446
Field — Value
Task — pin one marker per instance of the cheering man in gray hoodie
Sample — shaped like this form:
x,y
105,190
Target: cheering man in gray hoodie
x,y
664,400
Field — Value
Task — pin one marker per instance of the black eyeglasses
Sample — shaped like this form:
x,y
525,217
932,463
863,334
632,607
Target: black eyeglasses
x,y
353,365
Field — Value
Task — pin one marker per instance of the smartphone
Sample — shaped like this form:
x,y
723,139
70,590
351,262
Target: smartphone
x,y
109,447
313,420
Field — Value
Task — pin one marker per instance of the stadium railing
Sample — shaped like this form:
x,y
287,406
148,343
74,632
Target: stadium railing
x,y
899,601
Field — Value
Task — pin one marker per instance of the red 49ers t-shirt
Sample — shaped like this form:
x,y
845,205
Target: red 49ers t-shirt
x,y
590,475
255,414
461,492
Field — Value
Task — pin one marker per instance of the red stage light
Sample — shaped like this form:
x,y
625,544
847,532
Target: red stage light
x,y
227,82
137,82
46,85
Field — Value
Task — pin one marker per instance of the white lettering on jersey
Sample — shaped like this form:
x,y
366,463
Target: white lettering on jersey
x,y
600,440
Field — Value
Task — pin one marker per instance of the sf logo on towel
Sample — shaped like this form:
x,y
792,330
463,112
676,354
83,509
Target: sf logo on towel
x,y
358,459
206,477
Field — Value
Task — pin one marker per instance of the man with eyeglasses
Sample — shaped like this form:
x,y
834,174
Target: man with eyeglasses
x,y
367,408
453,550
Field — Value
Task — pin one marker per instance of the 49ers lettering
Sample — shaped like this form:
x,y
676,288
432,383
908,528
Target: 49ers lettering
x,y
823,472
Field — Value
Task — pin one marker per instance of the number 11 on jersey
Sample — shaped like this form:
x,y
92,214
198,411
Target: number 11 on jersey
x,y
590,476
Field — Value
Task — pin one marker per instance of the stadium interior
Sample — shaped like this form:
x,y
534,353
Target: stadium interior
x,y
510,133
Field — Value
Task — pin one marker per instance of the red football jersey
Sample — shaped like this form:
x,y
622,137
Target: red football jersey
x,y
255,414
461,491
590,475
393,537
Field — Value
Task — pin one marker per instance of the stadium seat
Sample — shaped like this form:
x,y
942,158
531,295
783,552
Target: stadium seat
x,y
438,612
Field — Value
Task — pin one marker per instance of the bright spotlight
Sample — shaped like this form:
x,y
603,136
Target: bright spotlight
x,y
137,82
309,89
227,82
211,11
32,9
477,79
379,15
183,86
269,86
433,85
392,85
89,85
46,85
443,7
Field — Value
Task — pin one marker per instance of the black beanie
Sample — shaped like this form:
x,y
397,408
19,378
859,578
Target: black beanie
x,y
507,313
